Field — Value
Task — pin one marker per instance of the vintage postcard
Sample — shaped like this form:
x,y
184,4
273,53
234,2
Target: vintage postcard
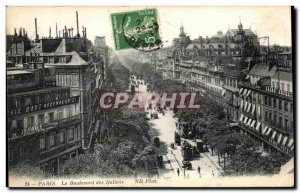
x,y
150,97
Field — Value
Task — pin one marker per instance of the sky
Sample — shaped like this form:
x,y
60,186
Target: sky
x,y
274,22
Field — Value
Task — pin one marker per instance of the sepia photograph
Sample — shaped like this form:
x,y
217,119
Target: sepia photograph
x,y
150,97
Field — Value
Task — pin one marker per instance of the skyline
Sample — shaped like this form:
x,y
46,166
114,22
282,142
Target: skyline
x,y
263,21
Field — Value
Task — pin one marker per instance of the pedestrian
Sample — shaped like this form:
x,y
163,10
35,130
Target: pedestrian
x,y
178,172
135,174
184,172
213,173
199,169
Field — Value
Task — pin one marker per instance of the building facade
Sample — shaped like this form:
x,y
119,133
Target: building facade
x,y
252,84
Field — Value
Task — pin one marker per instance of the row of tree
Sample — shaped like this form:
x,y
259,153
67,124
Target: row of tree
x,y
237,152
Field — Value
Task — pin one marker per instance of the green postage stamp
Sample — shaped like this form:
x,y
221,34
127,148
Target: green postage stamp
x,y
136,29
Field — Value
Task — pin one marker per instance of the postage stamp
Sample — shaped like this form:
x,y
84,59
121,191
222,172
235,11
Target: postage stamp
x,y
136,29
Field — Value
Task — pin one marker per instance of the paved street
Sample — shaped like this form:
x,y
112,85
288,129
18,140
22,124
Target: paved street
x,y
164,127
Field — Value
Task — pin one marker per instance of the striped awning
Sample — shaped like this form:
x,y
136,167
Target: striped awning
x,y
264,130
269,131
241,90
245,120
257,126
245,106
284,140
253,109
249,107
273,135
291,142
242,103
249,91
245,92
252,124
279,138
249,122
241,118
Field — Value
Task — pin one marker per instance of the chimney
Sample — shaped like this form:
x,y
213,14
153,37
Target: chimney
x,y
78,35
85,32
23,31
56,30
50,32
20,32
15,32
36,33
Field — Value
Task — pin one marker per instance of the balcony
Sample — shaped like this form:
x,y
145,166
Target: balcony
x,y
20,132
280,92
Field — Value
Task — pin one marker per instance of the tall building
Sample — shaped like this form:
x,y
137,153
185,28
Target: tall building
x,y
267,104
43,120
73,66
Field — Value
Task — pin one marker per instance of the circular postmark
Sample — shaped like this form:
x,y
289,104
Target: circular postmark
x,y
141,32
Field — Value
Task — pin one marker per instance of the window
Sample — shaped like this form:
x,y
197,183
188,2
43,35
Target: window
x,y
42,143
286,124
282,86
30,122
266,100
71,134
51,140
275,119
288,87
41,119
280,104
51,116
60,115
286,104
280,122
291,107
275,103
270,101
266,115
61,137
70,112
74,79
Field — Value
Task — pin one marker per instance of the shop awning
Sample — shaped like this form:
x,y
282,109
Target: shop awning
x,y
245,120
241,118
279,138
257,126
269,131
245,106
253,109
245,92
252,124
249,107
264,130
284,140
290,143
249,122
241,90
249,91
273,135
